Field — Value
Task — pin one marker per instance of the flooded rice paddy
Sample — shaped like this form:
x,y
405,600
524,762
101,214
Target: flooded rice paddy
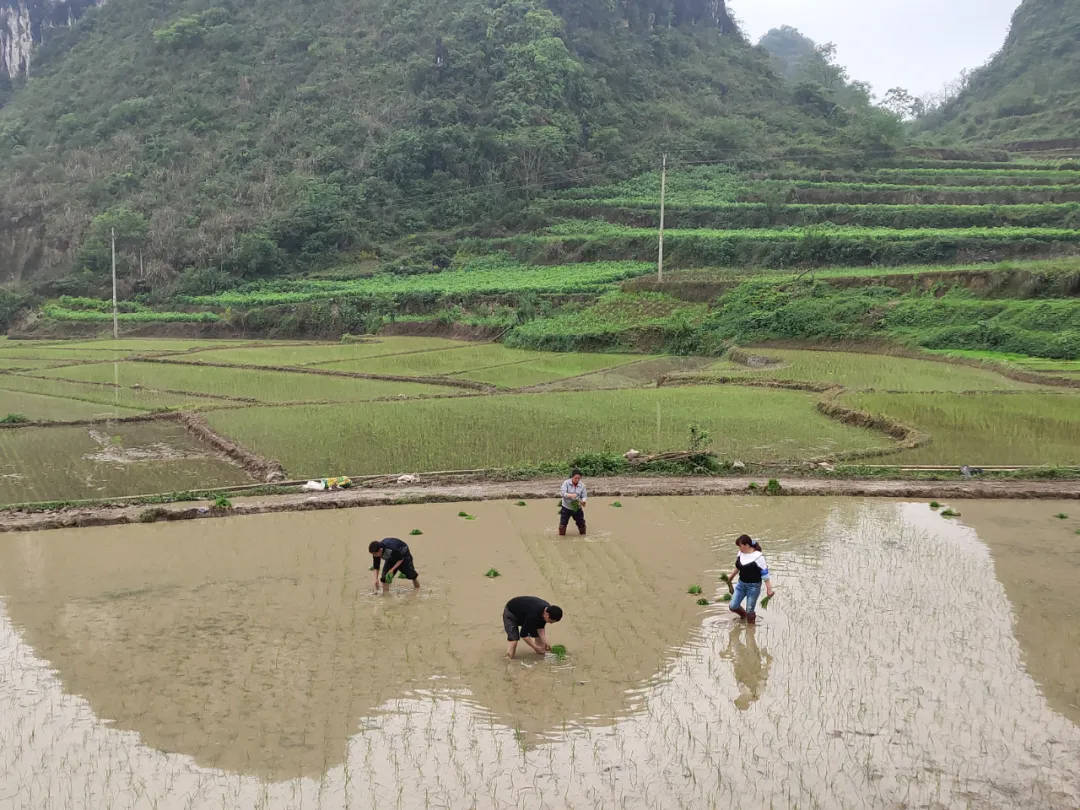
x,y
908,660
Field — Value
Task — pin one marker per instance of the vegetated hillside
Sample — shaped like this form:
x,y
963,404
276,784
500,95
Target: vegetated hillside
x,y
1030,90
254,138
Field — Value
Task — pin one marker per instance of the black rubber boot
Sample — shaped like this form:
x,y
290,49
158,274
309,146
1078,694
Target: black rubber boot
x,y
751,618
562,531
738,612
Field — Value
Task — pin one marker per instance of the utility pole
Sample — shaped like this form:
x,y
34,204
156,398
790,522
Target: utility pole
x,y
115,320
663,192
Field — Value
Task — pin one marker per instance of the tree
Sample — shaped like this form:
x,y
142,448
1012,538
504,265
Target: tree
x,y
131,229
901,103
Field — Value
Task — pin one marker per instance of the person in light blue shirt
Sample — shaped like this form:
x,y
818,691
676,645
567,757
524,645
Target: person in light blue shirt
x,y
572,505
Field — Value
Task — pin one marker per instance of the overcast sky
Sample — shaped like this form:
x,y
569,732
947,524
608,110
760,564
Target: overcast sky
x,y
917,44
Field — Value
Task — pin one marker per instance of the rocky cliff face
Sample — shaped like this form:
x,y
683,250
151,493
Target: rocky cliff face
x,y
23,23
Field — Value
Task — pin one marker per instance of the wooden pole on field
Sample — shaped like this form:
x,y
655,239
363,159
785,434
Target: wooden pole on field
x,y
115,320
663,193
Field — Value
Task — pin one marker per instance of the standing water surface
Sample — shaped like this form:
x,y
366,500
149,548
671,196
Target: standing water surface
x,y
246,662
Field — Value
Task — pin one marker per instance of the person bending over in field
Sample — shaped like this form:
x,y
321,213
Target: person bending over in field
x,y
752,570
574,496
395,558
525,617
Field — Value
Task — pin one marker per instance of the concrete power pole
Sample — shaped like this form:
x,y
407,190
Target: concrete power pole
x,y
115,320
663,192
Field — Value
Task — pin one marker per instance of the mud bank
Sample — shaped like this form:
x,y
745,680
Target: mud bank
x,y
535,489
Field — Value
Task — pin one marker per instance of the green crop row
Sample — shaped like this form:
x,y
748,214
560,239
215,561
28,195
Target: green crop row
x,y
766,215
487,276
909,188
725,215
59,313
953,177
601,229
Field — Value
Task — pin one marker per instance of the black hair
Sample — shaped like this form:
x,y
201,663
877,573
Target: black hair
x,y
374,546
746,540
574,472
554,612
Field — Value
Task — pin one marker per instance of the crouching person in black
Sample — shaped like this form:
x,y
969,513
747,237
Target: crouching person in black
x,y
524,617
395,558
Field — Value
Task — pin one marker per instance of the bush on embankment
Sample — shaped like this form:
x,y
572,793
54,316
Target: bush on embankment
x,y
768,309
795,247
758,310
615,322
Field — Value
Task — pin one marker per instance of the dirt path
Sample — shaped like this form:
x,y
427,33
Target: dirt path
x,y
600,490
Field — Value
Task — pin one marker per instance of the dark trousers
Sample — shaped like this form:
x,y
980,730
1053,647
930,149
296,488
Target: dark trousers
x,y
578,516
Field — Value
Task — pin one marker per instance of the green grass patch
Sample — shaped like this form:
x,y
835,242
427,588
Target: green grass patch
x,y
983,429
264,386
866,371
45,408
332,355
527,430
1020,362
548,368
108,396
50,463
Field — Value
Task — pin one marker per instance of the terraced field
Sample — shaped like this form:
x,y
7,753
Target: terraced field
x,y
953,290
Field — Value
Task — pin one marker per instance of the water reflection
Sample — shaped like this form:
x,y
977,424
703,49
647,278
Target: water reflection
x,y
749,662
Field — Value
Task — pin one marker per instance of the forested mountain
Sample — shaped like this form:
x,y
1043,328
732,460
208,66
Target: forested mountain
x,y
264,136
813,72
1030,90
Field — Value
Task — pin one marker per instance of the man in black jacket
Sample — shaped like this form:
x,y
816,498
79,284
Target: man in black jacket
x,y
524,617
396,559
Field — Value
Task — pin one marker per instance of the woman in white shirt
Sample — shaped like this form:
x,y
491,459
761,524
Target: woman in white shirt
x,y
752,570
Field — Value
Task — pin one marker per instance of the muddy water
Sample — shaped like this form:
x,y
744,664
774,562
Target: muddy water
x,y
247,663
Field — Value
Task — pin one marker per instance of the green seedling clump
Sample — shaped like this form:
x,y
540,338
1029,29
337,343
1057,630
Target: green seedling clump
x,y
950,513
935,505
773,487
765,602
462,514
752,485
221,502
559,651
415,532
14,419
1061,516
725,578
492,573
694,589
617,505
520,503
703,601
725,597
